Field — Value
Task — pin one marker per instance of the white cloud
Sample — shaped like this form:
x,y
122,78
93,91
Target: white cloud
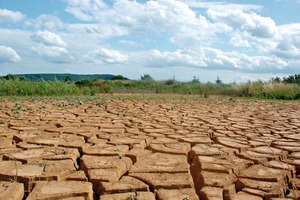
x,y
53,54
138,18
156,58
85,9
216,58
289,45
10,16
220,5
51,47
105,56
7,54
48,38
50,22
256,25
238,41
209,58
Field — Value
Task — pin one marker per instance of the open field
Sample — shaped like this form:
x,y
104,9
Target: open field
x,y
149,147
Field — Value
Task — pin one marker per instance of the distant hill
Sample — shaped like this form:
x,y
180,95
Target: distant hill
x,y
61,77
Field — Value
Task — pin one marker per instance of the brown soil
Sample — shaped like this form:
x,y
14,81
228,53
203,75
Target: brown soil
x,y
149,149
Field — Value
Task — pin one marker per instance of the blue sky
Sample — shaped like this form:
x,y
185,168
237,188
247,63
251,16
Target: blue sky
x,y
234,40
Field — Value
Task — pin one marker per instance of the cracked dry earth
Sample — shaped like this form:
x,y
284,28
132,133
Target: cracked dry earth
x,y
149,149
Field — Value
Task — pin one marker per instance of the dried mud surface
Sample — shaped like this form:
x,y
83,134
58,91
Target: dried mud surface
x,y
149,149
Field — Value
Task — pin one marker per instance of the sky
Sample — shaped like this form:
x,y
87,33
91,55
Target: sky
x,y
236,41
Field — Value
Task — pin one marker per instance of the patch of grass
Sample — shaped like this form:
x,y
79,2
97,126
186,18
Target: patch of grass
x,y
91,88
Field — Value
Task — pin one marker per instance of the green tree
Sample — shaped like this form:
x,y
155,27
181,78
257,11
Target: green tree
x,y
195,80
68,78
294,79
218,81
119,77
146,77
10,77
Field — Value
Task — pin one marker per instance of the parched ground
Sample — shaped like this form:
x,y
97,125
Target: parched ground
x,y
148,148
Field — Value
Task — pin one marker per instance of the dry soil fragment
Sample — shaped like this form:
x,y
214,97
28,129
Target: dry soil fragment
x,y
61,190
232,143
11,191
171,148
269,150
217,179
245,196
105,150
261,193
196,140
103,168
165,180
128,141
161,163
138,154
211,150
211,193
179,194
262,173
126,184
273,188
129,196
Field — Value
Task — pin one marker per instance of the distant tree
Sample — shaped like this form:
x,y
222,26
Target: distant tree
x,y
84,83
10,77
68,78
146,77
218,81
195,80
170,81
119,77
275,80
294,79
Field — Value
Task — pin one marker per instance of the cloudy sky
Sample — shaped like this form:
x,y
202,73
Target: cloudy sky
x,y
234,40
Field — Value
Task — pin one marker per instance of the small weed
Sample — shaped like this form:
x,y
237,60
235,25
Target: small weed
x,y
90,141
134,196
44,106
100,104
65,151
173,108
186,198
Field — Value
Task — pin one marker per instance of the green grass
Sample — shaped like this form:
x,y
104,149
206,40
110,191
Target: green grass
x,y
260,90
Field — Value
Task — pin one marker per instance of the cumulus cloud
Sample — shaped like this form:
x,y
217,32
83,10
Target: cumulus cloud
x,y
106,56
10,16
209,58
53,54
256,25
50,22
238,41
137,18
85,9
289,45
48,38
220,5
216,58
7,54
51,47
156,58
